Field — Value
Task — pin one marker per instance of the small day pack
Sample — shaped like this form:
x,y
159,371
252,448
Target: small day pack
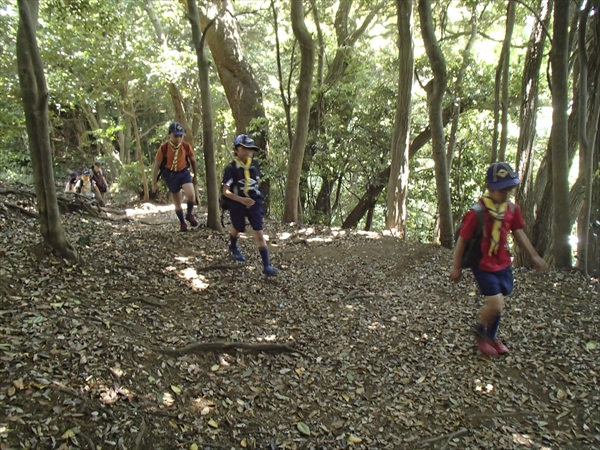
x,y
224,201
472,254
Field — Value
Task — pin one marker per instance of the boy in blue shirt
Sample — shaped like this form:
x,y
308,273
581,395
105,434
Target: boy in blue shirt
x,y
240,187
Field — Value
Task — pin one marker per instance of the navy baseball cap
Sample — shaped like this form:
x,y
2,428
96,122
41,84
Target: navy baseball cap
x,y
177,129
501,176
245,141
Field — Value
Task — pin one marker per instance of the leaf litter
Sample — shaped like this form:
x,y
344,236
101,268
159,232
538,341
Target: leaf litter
x,y
361,342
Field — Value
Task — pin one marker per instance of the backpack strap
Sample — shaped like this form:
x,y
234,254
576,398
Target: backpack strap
x,y
479,229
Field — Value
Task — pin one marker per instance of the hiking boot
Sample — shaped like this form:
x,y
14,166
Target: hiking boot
x,y
192,220
270,271
183,227
236,254
486,347
500,348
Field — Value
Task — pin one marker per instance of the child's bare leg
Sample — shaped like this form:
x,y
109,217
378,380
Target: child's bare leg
x,y
259,237
264,253
492,309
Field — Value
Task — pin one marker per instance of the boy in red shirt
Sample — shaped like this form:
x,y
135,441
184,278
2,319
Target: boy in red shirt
x,y
494,274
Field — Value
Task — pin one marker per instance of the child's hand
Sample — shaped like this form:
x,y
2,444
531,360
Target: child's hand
x,y
539,263
455,274
247,202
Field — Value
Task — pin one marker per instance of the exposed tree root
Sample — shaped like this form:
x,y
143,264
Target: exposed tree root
x,y
20,209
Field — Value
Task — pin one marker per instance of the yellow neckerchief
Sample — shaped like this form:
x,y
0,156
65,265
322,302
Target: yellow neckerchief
x,y
175,155
246,168
497,212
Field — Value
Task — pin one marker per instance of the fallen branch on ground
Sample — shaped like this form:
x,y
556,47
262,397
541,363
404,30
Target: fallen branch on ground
x,y
218,267
200,347
449,437
356,294
146,300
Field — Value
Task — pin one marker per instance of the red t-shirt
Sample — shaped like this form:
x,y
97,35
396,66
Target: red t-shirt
x,y
513,220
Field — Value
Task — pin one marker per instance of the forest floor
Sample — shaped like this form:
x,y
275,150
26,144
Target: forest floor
x,y
360,342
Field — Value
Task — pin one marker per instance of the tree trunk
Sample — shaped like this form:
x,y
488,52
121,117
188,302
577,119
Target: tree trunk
x,y
587,135
285,99
138,149
559,58
34,92
210,164
466,61
436,89
336,70
501,88
382,177
241,88
399,167
292,186
367,202
527,121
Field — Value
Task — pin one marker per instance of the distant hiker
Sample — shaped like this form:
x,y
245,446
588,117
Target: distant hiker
x,y
98,177
494,274
70,185
84,185
241,188
171,161
100,185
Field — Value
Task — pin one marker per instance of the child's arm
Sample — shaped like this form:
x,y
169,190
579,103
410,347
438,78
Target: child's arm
x,y
525,244
456,271
246,201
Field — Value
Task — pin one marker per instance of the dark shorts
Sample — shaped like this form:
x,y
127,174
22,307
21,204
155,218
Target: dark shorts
x,y
494,283
239,212
175,180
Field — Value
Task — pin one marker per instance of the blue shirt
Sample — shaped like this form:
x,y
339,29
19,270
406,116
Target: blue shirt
x,y
235,179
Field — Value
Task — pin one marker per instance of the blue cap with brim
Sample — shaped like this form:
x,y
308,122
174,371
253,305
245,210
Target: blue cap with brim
x,y
501,176
245,141
176,129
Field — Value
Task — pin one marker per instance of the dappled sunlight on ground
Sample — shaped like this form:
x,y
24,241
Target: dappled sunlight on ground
x,y
148,208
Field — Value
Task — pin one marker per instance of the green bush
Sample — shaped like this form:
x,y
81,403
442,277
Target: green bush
x,y
130,182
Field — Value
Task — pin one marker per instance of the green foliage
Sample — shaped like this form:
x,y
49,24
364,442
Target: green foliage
x,y
130,179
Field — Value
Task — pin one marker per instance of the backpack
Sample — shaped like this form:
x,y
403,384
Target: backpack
x,y
472,254
224,201
163,164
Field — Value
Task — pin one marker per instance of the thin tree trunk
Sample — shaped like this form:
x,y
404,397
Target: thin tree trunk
x,y
559,59
284,99
510,22
210,164
34,92
586,151
138,149
301,33
527,121
458,88
436,89
399,167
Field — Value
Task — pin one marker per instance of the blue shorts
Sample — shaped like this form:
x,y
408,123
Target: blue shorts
x,y
494,283
175,180
239,212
